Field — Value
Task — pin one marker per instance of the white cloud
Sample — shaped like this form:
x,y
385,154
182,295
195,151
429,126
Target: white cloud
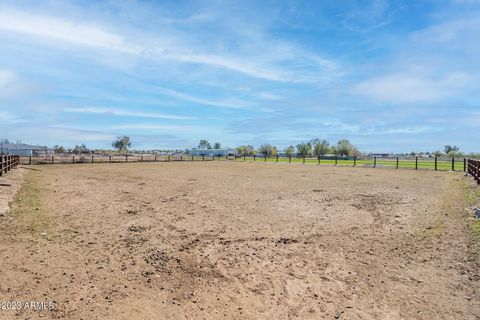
x,y
231,103
177,47
6,78
166,128
406,87
9,118
120,112
60,29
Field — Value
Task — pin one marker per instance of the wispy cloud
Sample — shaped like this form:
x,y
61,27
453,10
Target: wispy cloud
x,y
385,74
53,28
6,77
126,113
411,87
231,103
94,35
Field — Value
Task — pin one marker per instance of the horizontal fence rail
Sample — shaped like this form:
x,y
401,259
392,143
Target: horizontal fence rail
x,y
416,163
473,169
8,162
453,164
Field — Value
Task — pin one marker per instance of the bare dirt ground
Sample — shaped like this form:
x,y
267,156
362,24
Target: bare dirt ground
x,y
223,240
9,185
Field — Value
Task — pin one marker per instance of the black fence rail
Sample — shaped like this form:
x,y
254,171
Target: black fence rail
x,y
94,158
7,163
473,169
416,163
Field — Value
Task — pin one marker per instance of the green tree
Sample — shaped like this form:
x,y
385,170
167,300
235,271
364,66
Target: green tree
x,y
448,148
80,149
437,153
204,144
58,149
289,151
344,147
122,143
320,147
245,150
355,152
217,145
304,149
268,150
452,151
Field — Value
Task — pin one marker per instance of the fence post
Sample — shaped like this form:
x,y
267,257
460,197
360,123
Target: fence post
x,y
336,160
435,163
203,157
478,167
374,161
304,159
277,157
73,159
126,158
30,160
464,164
141,158
416,163
92,158
453,163
318,159
354,161
289,159
397,162
53,160
192,157
265,158
110,159
1,165
254,156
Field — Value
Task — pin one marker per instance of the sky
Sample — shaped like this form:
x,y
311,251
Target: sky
x,y
390,76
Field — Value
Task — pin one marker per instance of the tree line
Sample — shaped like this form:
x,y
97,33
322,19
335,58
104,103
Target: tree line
x,y
314,147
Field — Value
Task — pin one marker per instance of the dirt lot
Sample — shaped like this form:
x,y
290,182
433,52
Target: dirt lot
x,y
239,241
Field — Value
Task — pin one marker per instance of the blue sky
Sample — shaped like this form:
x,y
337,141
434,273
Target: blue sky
x,y
388,75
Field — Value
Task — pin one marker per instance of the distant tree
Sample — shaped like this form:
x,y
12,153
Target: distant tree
x,y
320,147
204,144
217,145
80,149
354,152
58,149
289,151
448,148
344,147
413,154
437,153
122,143
304,149
4,141
245,150
334,150
268,150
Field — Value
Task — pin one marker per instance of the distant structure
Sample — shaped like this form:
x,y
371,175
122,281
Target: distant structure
x,y
380,155
211,152
25,150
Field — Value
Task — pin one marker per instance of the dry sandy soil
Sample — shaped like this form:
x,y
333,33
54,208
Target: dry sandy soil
x,y
223,240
